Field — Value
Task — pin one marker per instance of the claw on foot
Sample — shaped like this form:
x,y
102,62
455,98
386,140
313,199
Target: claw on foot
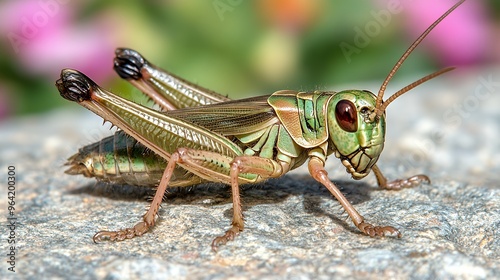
x,y
408,183
228,236
128,233
373,231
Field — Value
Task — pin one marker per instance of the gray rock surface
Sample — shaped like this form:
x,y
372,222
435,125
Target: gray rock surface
x,y
294,228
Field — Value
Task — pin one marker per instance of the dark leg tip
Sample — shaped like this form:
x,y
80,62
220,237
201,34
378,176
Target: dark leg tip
x,y
75,86
128,63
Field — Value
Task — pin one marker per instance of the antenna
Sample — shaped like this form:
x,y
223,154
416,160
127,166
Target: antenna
x,y
379,108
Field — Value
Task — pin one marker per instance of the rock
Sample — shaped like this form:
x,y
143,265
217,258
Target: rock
x,y
294,228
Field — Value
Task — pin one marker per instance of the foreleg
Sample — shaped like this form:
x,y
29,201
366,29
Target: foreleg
x,y
318,172
399,183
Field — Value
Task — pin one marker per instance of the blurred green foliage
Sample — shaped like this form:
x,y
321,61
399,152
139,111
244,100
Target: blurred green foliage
x,y
251,48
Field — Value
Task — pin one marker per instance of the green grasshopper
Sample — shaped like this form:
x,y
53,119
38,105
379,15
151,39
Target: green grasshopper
x,y
200,136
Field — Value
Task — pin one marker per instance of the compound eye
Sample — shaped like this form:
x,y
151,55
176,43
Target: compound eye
x,y
346,115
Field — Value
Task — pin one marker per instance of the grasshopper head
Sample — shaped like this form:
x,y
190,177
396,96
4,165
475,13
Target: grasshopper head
x,y
357,138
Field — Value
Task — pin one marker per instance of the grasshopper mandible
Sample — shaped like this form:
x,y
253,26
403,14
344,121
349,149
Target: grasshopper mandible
x,y
200,136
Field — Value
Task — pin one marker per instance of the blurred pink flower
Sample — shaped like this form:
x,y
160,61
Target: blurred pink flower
x,y
45,37
461,39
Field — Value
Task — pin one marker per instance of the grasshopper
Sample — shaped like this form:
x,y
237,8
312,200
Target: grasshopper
x,y
200,136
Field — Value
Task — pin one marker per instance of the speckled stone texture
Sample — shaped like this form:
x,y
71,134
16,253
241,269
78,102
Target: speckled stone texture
x,y
294,228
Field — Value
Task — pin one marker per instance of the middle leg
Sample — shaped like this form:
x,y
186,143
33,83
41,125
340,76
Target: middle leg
x,y
264,168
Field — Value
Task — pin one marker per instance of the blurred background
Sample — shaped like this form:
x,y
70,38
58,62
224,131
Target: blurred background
x,y
235,47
